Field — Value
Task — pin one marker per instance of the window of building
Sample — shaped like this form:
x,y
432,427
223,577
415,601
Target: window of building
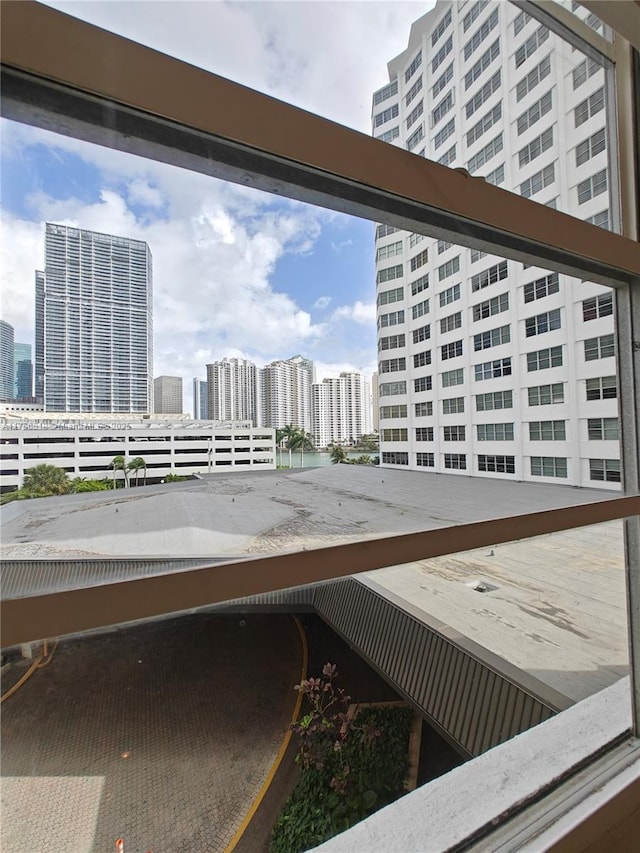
x,y
415,114
494,400
389,251
604,470
423,409
419,260
492,338
473,13
486,122
493,369
541,287
420,284
454,433
386,115
600,219
420,309
414,239
453,406
391,389
439,112
415,138
441,55
496,177
385,231
424,433
485,154
491,306
476,255
421,334
423,383
545,395
495,432
391,342
389,273
396,458
482,64
449,268
593,186
547,431
451,350
389,135
541,323
602,347
483,94
422,359
497,464
425,460
442,81
397,434
597,306
453,377
520,21
386,297
385,93
413,67
536,147
531,45
443,246
413,91
535,112
602,429
442,135
391,319
535,76
602,388
489,276
591,146
453,321
544,358
456,461
448,157
481,34
586,69
391,412
548,466
451,294
392,365
589,107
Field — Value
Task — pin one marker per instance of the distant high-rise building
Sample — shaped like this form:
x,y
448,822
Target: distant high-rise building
x,y
374,402
233,391
94,329
23,372
341,409
287,393
6,360
200,397
167,395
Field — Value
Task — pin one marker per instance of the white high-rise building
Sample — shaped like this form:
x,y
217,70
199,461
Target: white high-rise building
x,y
94,330
374,403
7,358
233,391
167,395
486,366
286,393
341,409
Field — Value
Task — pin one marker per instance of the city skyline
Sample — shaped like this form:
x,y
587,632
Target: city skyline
x,y
272,276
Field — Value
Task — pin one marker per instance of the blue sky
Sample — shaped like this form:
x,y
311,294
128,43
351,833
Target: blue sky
x,y
236,272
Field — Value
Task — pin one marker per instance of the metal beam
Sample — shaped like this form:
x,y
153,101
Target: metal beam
x,y
144,102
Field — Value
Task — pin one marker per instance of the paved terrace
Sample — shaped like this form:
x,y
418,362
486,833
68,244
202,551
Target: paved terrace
x,y
554,606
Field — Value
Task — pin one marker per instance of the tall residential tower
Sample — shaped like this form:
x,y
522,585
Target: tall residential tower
x,y
487,366
233,391
94,331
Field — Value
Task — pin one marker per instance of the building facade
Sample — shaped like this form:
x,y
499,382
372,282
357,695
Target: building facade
x,y
341,409
93,326
86,448
200,408
286,393
7,358
23,372
167,395
233,390
486,366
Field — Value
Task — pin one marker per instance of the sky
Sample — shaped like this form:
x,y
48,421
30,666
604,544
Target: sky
x,y
237,272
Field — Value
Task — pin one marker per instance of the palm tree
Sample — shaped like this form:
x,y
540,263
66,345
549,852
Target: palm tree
x,y
280,436
338,455
43,480
135,465
118,464
289,431
301,440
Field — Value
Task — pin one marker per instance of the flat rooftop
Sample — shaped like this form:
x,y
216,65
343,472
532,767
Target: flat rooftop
x,y
553,606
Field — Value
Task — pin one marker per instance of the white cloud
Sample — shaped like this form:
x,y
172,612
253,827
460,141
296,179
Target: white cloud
x,y
359,312
141,192
322,302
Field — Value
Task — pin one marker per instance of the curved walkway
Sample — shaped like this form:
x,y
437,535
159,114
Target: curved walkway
x,y
167,748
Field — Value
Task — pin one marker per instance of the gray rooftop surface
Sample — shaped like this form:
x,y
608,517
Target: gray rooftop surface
x,y
558,608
